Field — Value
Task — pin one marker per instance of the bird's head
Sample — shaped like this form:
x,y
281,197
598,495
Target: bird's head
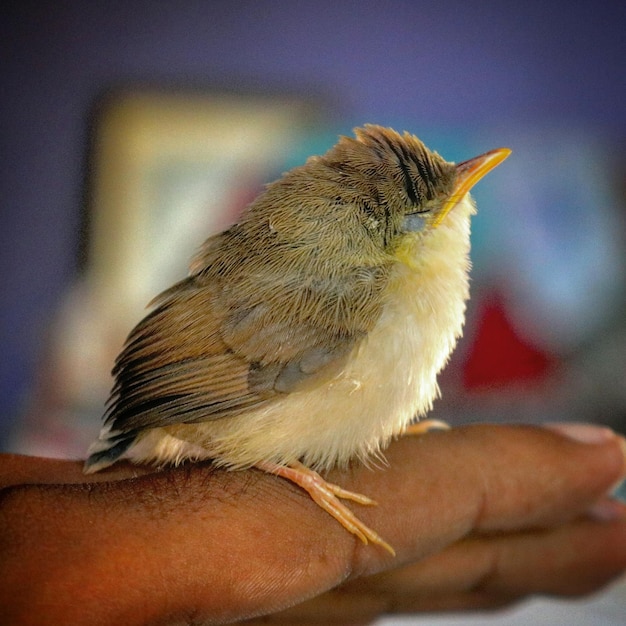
x,y
398,184
371,199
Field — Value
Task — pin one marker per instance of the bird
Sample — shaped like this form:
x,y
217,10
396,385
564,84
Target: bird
x,y
309,334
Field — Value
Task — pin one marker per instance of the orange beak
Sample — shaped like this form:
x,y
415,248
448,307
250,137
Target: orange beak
x,y
468,174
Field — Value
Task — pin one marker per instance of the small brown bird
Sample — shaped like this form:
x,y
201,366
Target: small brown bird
x,y
311,332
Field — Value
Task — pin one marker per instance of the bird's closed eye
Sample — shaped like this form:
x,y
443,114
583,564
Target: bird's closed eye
x,y
414,222
417,219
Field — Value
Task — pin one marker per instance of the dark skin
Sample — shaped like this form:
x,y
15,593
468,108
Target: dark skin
x,y
480,517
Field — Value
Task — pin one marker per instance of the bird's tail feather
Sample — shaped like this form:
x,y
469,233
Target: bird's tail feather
x,y
108,448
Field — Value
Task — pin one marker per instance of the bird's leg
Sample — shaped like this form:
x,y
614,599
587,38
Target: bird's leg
x,y
326,495
425,426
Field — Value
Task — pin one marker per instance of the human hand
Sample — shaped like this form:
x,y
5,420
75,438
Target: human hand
x,y
480,516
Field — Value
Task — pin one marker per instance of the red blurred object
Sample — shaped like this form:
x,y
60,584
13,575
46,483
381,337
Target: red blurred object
x,y
500,356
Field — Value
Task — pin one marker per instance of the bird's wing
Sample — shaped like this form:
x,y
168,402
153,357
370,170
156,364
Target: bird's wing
x,y
207,352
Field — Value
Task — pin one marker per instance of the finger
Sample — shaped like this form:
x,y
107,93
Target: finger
x,y
479,573
447,485
488,572
185,542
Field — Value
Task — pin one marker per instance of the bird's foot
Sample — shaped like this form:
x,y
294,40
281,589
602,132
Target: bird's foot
x,y
326,495
425,426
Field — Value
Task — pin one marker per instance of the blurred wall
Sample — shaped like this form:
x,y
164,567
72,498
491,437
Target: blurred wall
x,y
448,65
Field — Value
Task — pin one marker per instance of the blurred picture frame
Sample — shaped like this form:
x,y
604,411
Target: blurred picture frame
x,y
169,169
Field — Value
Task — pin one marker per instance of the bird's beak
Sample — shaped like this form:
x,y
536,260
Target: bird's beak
x,y
468,174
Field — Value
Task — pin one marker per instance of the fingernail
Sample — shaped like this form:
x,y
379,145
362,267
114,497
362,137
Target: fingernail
x,y
585,433
607,511
593,434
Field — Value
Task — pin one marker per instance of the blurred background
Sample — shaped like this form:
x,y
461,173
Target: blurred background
x,y
133,130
